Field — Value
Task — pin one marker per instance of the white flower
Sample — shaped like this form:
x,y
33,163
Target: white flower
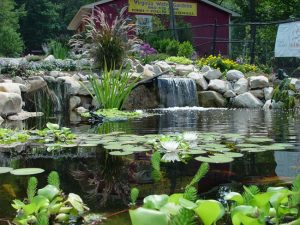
x,y
190,136
170,157
170,146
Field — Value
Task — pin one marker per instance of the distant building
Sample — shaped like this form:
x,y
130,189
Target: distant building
x,y
198,13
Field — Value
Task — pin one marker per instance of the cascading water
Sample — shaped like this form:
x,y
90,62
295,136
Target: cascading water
x,y
177,92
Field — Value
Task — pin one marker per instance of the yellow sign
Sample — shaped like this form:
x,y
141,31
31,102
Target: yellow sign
x,y
162,7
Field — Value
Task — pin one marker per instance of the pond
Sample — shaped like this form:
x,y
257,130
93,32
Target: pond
x,y
103,180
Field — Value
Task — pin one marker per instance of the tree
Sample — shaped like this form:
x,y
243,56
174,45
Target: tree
x,y
11,43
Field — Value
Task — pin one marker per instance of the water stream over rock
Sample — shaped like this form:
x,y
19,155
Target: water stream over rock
x,y
177,92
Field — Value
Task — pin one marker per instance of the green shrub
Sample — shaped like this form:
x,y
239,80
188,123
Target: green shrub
x,y
151,58
34,58
179,60
108,40
11,44
281,93
58,50
172,48
186,49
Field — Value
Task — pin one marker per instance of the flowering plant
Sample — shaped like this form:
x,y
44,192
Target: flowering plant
x,y
146,49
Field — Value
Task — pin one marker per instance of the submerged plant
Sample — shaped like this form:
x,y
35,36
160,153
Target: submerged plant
x,y
113,89
48,205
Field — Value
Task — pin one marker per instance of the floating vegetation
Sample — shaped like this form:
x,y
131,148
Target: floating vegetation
x,y
116,115
26,171
8,136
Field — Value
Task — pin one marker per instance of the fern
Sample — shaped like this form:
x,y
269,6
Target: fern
x,y
31,188
190,194
42,219
155,162
202,171
250,192
53,179
134,194
184,217
295,199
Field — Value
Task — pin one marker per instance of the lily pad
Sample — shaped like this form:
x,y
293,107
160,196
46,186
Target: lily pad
x,y
214,159
113,146
26,171
195,152
259,139
119,153
248,145
233,154
5,170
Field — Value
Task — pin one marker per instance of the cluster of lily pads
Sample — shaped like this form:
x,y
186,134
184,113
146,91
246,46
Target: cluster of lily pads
x,y
210,147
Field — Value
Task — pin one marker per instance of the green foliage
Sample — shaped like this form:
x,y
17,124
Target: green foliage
x,y
48,206
56,134
281,93
11,44
224,64
185,49
114,88
53,179
295,199
202,171
154,57
8,136
31,188
34,58
58,50
134,194
179,60
184,217
173,48
251,191
108,40
155,162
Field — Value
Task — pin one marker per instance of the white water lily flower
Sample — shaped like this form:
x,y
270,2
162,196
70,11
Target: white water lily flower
x,y
190,136
170,146
170,157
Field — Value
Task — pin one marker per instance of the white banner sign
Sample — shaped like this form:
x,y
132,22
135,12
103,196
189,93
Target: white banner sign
x,y
288,40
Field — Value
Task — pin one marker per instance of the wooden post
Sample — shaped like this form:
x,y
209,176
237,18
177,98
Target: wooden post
x,y
172,20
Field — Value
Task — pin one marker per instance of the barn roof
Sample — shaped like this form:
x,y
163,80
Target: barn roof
x,y
86,9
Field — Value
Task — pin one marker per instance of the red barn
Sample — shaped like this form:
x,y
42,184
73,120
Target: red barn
x,y
200,14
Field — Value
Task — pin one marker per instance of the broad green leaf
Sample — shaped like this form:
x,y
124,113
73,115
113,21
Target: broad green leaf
x,y
142,216
49,192
76,202
244,215
5,169
234,196
174,198
52,126
187,204
209,211
170,209
37,203
155,201
26,171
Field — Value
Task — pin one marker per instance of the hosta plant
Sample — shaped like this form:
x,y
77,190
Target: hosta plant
x,y
48,205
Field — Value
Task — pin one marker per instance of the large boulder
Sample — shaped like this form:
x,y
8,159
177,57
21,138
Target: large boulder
x,y
164,66
49,58
241,86
258,82
211,99
13,88
247,100
74,102
199,79
73,85
271,104
234,75
10,103
268,92
36,83
258,93
212,74
183,70
220,86
142,97
229,94
148,71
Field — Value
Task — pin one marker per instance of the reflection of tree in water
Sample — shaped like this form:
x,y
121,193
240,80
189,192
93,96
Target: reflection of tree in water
x,y
106,178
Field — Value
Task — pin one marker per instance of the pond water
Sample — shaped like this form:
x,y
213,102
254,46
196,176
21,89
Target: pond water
x,y
103,181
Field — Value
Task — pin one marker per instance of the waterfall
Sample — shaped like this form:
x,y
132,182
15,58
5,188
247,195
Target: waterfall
x,y
177,92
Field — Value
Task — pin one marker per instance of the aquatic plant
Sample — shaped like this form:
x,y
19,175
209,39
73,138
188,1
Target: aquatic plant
x,y
281,93
54,133
134,194
48,205
174,209
115,114
8,136
58,49
186,49
113,89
